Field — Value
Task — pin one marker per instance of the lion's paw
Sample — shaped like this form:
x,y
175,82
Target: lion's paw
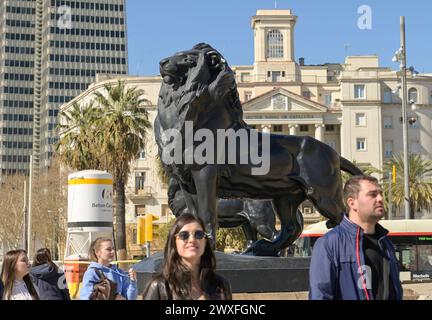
x,y
263,248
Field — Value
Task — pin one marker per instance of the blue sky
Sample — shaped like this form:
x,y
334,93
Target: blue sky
x,y
326,31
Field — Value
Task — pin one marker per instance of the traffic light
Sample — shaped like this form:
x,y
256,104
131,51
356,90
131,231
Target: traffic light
x,y
145,228
140,230
394,174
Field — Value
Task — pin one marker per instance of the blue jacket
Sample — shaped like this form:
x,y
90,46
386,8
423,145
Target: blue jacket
x,y
336,271
125,287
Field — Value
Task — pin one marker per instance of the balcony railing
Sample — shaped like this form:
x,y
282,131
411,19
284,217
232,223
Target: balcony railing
x,y
146,191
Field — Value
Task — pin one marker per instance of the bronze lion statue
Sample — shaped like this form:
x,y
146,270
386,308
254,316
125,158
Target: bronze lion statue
x,y
199,112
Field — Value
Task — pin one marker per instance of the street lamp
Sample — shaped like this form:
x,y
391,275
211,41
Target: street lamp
x,y
400,56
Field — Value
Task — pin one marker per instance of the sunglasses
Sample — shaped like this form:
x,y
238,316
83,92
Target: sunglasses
x,y
184,235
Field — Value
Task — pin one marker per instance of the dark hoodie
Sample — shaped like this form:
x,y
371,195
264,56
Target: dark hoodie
x,y
51,283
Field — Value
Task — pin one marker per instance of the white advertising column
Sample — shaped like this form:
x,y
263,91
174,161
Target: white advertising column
x,y
90,209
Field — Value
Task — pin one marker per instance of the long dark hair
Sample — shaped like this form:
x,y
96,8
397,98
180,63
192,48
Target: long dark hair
x,y
43,256
176,273
8,275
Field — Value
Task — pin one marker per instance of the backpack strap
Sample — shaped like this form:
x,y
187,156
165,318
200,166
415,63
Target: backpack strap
x,y
99,273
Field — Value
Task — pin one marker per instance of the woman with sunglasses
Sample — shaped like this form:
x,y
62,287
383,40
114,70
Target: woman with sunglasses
x,y
188,271
102,254
15,276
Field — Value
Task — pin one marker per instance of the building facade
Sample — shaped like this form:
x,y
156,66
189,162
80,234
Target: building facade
x,y
50,51
354,107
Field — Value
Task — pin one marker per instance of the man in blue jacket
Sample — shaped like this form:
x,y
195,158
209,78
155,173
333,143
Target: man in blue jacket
x,y
356,260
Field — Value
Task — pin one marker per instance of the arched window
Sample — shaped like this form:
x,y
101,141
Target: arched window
x,y
412,95
274,44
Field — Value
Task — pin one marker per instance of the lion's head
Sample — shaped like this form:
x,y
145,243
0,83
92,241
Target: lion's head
x,y
201,64
193,81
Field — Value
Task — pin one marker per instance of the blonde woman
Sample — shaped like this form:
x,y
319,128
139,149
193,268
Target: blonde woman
x,y
102,254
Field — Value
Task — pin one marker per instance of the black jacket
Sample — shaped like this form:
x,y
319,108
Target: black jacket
x,y
1,290
51,283
158,289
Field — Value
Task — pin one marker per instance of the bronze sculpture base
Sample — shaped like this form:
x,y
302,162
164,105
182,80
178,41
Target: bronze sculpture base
x,y
247,274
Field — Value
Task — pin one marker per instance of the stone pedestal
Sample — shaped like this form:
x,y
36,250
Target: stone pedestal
x,y
246,274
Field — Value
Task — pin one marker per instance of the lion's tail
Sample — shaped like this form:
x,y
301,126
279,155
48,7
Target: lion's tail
x,y
349,167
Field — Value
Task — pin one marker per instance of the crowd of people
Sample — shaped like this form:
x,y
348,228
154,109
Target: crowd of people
x,y
354,261
188,272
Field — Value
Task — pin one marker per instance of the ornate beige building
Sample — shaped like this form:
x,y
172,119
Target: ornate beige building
x,y
354,106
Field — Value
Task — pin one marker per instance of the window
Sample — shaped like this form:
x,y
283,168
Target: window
x,y
388,149
415,147
306,94
276,76
388,96
330,127
277,128
328,99
141,154
247,95
165,212
140,210
388,122
304,128
139,181
307,210
361,144
245,77
274,44
412,95
360,119
359,91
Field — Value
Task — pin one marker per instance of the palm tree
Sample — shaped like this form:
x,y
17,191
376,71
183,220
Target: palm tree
x,y
420,186
78,147
123,126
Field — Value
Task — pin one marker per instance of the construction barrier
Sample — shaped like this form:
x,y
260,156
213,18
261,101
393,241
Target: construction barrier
x,y
74,273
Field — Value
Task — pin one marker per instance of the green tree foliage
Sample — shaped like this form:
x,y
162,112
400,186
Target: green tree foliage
x,y
230,238
79,146
420,183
